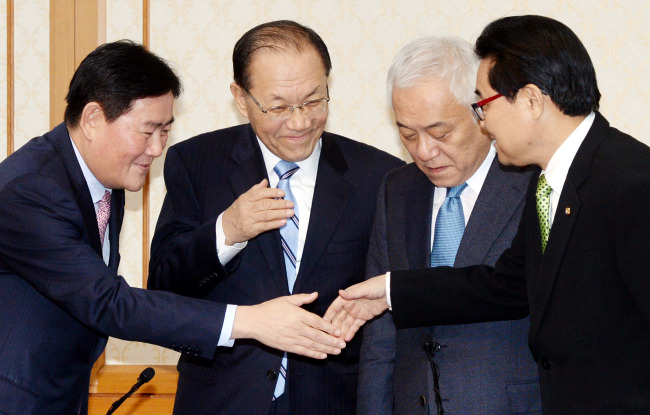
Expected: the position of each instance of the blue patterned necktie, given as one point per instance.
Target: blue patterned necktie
(450, 226)
(289, 237)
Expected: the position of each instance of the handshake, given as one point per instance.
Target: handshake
(281, 323)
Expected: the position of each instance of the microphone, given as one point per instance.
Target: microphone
(144, 377)
(430, 347)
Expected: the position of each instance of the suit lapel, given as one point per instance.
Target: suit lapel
(566, 215)
(496, 191)
(78, 183)
(416, 218)
(331, 196)
(248, 170)
(115, 225)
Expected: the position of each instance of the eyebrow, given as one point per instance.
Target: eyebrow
(477, 92)
(158, 124)
(313, 91)
(434, 125)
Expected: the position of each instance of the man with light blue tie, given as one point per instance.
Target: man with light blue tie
(222, 234)
(61, 212)
(454, 206)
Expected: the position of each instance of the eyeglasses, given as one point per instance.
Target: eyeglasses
(478, 106)
(283, 112)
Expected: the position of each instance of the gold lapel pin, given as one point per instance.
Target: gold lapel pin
(567, 211)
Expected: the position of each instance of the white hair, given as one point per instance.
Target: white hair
(450, 59)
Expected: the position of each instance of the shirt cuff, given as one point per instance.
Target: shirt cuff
(226, 329)
(390, 305)
(226, 252)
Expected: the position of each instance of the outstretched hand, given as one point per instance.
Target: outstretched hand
(281, 323)
(356, 305)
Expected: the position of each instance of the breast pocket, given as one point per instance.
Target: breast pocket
(344, 263)
(349, 247)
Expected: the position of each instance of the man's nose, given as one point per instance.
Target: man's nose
(427, 148)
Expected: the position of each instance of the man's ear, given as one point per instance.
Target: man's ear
(240, 98)
(91, 120)
(533, 100)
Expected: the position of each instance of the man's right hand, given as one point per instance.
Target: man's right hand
(281, 323)
(356, 305)
(258, 210)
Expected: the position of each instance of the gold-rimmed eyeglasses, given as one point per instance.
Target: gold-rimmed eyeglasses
(283, 112)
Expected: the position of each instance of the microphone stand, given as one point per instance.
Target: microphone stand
(144, 377)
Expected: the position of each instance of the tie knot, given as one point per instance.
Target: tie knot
(285, 169)
(106, 200)
(456, 191)
(543, 188)
(103, 213)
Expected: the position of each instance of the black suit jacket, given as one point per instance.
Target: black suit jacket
(588, 295)
(58, 300)
(204, 176)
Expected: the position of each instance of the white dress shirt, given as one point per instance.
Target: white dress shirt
(97, 191)
(468, 200)
(468, 197)
(558, 166)
(303, 183)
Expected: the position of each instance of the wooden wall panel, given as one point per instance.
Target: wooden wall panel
(7, 130)
(77, 27)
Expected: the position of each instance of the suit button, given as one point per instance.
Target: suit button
(423, 400)
(271, 374)
(436, 347)
(546, 364)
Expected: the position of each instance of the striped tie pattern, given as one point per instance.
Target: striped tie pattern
(103, 213)
(289, 237)
(543, 196)
(449, 229)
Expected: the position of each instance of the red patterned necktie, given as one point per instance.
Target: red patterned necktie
(103, 213)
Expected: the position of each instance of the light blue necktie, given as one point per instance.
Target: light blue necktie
(289, 237)
(450, 226)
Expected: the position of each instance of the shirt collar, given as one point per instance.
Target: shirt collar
(308, 166)
(478, 178)
(96, 189)
(559, 164)
(474, 183)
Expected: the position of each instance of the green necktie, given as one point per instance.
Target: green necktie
(543, 196)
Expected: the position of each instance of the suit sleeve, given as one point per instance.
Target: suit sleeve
(632, 233)
(375, 392)
(479, 293)
(43, 243)
(184, 256)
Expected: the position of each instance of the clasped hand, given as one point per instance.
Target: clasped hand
(356, 305)
(281, 323)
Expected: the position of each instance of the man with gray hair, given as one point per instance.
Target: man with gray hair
(454, 206)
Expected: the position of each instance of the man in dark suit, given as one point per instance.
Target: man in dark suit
(581, 258)
(61, 209)
(220, 217)
(483, 368)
